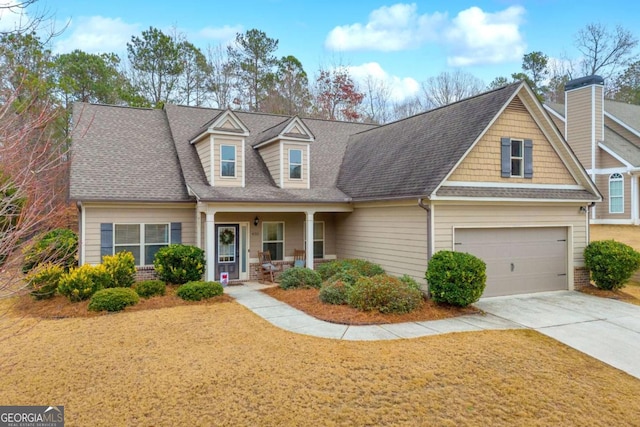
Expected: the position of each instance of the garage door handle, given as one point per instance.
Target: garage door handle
(513, 267)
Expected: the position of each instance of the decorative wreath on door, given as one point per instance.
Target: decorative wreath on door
(227, 237)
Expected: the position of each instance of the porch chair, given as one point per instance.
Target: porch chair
(299, 258)
(267, 268)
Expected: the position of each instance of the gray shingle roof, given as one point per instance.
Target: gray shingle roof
(517, 193)
(411, 157)
(124, 154)
(622, 147)
(326, 153)
(628, 113)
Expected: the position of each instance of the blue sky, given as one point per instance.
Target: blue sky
(403, 43)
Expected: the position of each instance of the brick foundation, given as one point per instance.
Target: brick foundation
(145, 273)
(581, 278)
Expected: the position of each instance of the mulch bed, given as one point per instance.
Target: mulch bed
(307, 300)
(59, 307)
(620, 295)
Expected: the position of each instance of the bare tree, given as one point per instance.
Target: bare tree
(408, 107)
(605, 51)
(448, 87)
(376, 104)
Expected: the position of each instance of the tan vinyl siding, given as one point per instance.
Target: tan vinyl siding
(293, 230)
(203, 148)
(135, 214)
(393, 236)
(579, 123)
(295, 183)
(218, 180)
(602, 209)
(448, 216)
(483, 164)
(606, 160)
(271, 157)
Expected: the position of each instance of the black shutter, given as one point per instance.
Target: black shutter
(505, 156)
(106, 239)
(528, 158)
(176, 233)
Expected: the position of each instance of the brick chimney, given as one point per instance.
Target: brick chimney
(584, 118)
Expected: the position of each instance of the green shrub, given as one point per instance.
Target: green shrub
(150, 288)
(81, 283)
(300, 277)
(113, 299)
(122, 269)
(349, 277)
(44, 280)
(178, 264)
(384, 293)
(611, 263)
(456, 278)
(409, 281)
(59, 246)
(335, 292)
(196, 291)
(362, 267)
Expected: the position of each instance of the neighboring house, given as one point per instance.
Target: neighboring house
(490, 175)
(605, 135)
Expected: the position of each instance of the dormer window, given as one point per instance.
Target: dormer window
(295, 164)
(228, 161)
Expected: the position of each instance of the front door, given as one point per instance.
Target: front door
(227, 250)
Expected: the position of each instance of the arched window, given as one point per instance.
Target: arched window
(616, 193)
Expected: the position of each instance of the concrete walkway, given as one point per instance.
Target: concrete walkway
(286, 317)
(605, 329)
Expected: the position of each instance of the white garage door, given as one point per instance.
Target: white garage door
(519, 260)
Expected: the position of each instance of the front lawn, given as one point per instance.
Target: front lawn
(220, 364)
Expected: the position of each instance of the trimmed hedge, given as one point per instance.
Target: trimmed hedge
(196, 291)
(150, 288)
(81, 283)
(113, 299)
(456, 278)
(611, 263)
(59, 246)
(300, 277)
(122, 269)
(44, 280)
(178, 264)
(362, 267)
(335, 292)
(386, 294)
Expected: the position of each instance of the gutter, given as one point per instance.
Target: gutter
(429, 246)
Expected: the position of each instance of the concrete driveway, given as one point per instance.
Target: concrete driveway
(606, 329)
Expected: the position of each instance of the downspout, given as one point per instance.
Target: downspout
(428, 209)
(589, 207)
(81, 232)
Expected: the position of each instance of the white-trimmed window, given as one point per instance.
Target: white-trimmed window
(273, 239)
(616, 193)
(295, 164)
(318, 238)
(142, 240)
(517, 157)
(228, 161)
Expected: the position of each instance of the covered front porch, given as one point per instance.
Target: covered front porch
(232, 235)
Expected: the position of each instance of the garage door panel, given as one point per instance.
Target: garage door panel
(519, 260)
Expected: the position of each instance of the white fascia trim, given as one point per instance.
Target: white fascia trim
(296, 121)
(514, 199)
(609, 171)
(614, 155)
(287, 139)
(612, 221)
(211, 160)
(623, 124)
(472, 146)
(281, 165)
(512, 185)
(243, 164)
(553, 112)
(308, 167)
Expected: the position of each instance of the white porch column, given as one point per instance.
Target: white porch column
(635, 203)
(210, 245)
(309, 248)
(198, 228)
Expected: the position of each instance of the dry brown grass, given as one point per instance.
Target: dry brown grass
(220, 364)
(307, 301)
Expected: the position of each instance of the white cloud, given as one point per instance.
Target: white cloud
(390, 28)
(97, 34)
(401, 87)
(12, 16)
(223, 34)
(478, 37)
(472, 37)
